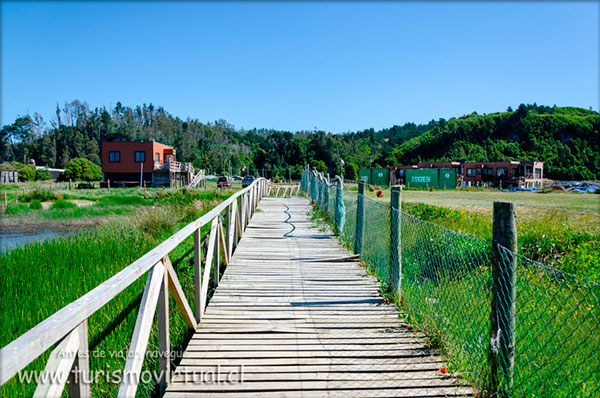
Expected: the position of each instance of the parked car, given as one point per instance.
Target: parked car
(223, 182)
(247, 181)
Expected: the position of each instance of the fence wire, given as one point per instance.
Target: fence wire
(446, 282)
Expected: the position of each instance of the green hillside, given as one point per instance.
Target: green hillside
(566, 139)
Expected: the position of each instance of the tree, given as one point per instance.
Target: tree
(320, 166)
(351, 172)
(81, 169)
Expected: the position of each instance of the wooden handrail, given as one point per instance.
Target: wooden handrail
(66, 321)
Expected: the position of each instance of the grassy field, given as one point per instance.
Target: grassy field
(559, 229)
(52, 208)
(41, 278)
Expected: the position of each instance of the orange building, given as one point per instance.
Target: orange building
(135, 161)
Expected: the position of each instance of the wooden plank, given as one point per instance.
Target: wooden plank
(223, 246)
(361, 393)
(178, 295)
(56, 373)
(231, 224)
(197, 275)
(141, 332)
(207, 265)
(79, 378)
(164, 346)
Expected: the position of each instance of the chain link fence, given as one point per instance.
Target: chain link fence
(507, 324)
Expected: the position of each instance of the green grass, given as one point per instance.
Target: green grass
(44, 277)
(63, 204)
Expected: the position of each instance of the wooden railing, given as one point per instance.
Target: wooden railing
(282, 189)
(68, 327)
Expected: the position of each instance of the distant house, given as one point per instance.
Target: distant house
(147, 161)
(504, 174)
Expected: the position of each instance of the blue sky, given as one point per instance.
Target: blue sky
(334, 66)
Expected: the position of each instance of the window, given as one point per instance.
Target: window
(401, 172)
(140, 157)
(114, 156)
(471, 172)
(157, 156)
(488, 172)
(501, 171)
(514, 172)
(538, 173)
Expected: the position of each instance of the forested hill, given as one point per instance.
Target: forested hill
(567, 139)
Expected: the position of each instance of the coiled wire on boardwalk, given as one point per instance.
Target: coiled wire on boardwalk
(446, 283)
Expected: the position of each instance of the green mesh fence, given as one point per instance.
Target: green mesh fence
(446, 288)
(446, 281)
(376, 238)
(557, 321)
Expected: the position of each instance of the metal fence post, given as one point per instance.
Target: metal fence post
(340, 208)
(395, 253)
(360, 218)
(501, 353)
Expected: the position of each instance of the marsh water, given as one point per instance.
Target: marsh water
(9, 241)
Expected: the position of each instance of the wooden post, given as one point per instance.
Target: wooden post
(217, 264)
(5, 199)
(108, 182)
(79, 377)
(16, 196)
(197, 275)
(360, 218)
(228, 241)
(395, 253)
(164, 349)
(69, 184)
(501, 353)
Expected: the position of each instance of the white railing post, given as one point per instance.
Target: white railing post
(79, 379)
(164, 346)
(197, 274)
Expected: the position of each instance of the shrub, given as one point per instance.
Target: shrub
(80, 169)
(17, 209)
(35, 205)
(42, 175)
(63, 204)
(27, 172)
(41, 194)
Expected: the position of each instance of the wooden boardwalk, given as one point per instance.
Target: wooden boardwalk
(298, 316)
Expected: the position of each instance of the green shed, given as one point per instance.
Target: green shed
(377, 177)
(423, 178)
(365, 175)
(447, 179)
(380, 177)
